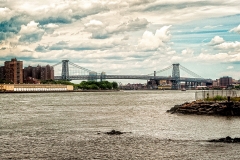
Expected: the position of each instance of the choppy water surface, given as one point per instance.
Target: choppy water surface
(72, 126)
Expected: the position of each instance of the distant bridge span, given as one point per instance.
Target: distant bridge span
(174, 78)
(140, 77)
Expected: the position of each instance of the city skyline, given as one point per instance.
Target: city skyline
(124, 37)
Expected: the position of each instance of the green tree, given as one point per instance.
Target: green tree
(109, 85)
(237, 87)
(102, 85)
(93, 86)
(56, 82)
(114, 85)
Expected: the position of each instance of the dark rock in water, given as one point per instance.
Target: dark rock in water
(208, 108)
(226, 140)
(113, 132)
(173, 109)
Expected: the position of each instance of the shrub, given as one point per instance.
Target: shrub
(219, 98)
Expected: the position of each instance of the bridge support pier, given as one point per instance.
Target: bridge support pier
(65, 70)
(186, 84)
(175, 76)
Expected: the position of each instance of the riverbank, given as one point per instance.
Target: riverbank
(221, 108)
(4, 92)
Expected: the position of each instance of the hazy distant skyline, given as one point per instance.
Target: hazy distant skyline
(124, 36)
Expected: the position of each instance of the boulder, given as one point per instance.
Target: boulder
(226, 140)
(113, 132)
(208, 108)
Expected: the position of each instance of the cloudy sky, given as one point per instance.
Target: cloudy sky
(124, 36)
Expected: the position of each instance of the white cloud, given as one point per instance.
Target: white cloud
(30, 33)
(163, 33)
(101, 30)
(236, 29)
(220, 44)
(51, 25)
(50, 28)
(187, 52)
(150, 41)
(220, 57)
(229, 47)
(211, 27)
(6, 14)
(94, 23)
(216, 40)
(30, 27)
(230, 67)
(216, 58)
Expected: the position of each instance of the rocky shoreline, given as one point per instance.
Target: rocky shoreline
(226, 140)
(221, 108)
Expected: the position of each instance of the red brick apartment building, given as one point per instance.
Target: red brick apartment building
(13, 72)
(225, 81)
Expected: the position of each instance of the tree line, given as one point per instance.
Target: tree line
(88, 85)
(104, 85)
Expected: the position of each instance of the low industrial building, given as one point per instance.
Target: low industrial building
(35, 87)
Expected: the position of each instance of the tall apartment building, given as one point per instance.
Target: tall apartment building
(36, 72)
(47, 73)
(2, 73)
(33, 72)
(225, 81)
(14, 71)
(39, 72)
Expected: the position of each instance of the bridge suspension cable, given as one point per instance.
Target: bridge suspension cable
(56, 64)
(82, 68)
(190, 72)
(162, 70)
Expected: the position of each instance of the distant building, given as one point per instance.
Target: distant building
(164, 82)
(137, 86)
(32, 74)
(103, 76)
(92, 76)
(216, 83)
(2, 73)
(234, 81)
(152, 84)
(225, 81)
(35, 87)
(36, 72)
(47, 73)
(13, 71)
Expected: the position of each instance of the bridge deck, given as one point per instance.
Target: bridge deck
(142, 77)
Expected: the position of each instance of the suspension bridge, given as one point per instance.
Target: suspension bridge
(175, 78)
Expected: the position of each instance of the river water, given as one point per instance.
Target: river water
(73, 125)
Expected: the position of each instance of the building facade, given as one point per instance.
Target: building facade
(2, 73)
(13, 71)
(92, 76)
(39, 73)
(35, 87)
(225, 81)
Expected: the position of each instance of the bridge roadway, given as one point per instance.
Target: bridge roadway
(143, 77)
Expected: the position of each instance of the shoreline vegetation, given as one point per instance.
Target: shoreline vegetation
(87, 85)
(84, 86)
(218, 106)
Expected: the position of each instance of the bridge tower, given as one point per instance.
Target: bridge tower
(175, 76)
(65, 70)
